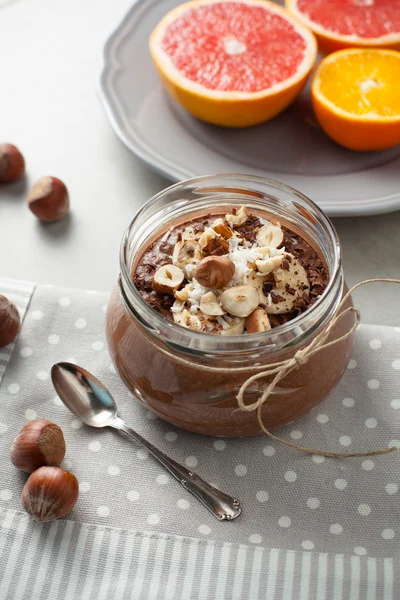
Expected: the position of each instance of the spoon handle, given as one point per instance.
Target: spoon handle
(222, 506)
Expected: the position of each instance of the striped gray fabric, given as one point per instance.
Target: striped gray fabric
(68, 560)
(19, 292)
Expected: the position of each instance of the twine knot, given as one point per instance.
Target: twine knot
(300, 357)
(280, 370)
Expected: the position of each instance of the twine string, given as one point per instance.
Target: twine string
(280, 370)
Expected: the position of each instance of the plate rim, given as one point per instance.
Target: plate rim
(377, 206)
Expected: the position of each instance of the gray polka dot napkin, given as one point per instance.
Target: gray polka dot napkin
(294, 504)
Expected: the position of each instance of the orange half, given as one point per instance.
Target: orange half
(356, 98)
(233, 63)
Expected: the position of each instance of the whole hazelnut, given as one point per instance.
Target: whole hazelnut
(12, 163)
(48, 199)
(39, 443)
(50, 493)
(215, 271)
(10, 321)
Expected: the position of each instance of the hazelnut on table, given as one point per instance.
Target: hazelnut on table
(10, 321)
(49, 199)
(12, 163)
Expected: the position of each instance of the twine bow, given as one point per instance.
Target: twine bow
(280, 370)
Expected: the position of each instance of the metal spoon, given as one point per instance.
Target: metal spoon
(93, 404)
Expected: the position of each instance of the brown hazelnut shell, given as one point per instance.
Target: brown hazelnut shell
(10, 321)
(50, 493)
(49, 199)
(12, 163)
(39, 443)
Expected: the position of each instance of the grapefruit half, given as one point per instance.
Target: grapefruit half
(342, 24)
(233, 63)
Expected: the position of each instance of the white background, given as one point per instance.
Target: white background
(51, 53)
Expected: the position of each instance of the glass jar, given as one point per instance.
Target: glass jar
(191, 379)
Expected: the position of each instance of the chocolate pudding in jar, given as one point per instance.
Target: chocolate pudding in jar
(221, 276)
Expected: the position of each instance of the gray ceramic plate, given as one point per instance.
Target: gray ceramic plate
(290, 148)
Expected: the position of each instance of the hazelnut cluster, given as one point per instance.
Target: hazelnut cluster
(48, 198)
(227, 284)
(50, 492)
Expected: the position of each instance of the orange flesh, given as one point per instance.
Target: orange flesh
(365, 83)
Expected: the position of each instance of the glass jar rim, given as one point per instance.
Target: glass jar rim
(158, 322)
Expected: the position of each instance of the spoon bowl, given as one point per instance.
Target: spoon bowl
(84, 395)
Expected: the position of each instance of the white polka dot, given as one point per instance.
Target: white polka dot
(53, 339)
(322, 419)
(162, 479)
(318, 459)
(290, 476)
(64, 302)
(133, 495)
(84, 486)
(171, 436)
(219, 445)
(153, 519)
(104, 308)
(30, 414)
(103, 511)
(255, 538)
(3, 428)
(25, 352)
(367, 465)
(371, 423)
(391, 488)
(373, 384)
(268, 450)
(98, 345)
(57, 401)
(340, 484)
(360, 551)
(313, 503)
(42, 375)
(395, 404)
(396, 364)
(191, 461)
(76, 424)
(375, 344)
(113, 470)
(344, 440)
(348, 402)
(5, 495)
(204, 529)
(307, 545)
(94, 446)
(183, 504)
(14, 388)
(394, 443)
(37, 315)
(364, 510)
(80, 323)
(142, 454)
(388, 534)
(336, 529)
(296, 434)
(352, 364)
(284, 522)
(262, 496)
(240, 470)
(112, 369)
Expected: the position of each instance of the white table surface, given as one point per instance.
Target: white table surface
(49, 107)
